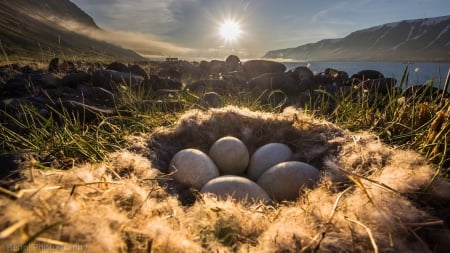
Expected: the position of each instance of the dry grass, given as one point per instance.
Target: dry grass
(371, 198)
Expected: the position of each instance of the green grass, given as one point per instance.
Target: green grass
(415, 123)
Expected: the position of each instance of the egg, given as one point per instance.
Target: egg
(267, 156)
(237, 187)
(230, 155)
(193, 168)
(284, 180)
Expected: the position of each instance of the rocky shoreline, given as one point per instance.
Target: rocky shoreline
(93, 88)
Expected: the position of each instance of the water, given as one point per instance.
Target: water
(419, 72)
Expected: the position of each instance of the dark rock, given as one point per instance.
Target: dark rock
(112, 80)
(15, 105)
(72, 80)
(189, 71)
(332, 77)
(216, 67)
(95, 95)
(118, 66)
(29, 84)
(426, 91)
(170, 71)
(233, 63)
(138, 70)
(255, 68)
(367, 74)
(211, 100)
(204, 68)
(266, 83)
(85, 112)
(383, 86)
(53, 66)
(305, 78)
(202, 86)
(156, 83)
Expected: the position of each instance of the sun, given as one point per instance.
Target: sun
(230, 30)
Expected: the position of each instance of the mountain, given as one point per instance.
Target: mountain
(36, 28)
(408, 40)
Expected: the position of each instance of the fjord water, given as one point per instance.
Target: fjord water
(419, 72)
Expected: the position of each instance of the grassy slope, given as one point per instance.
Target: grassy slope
(23, 36)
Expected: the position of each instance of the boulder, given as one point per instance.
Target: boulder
(239, 188)
(233, 63)
(138, 70)
(111, 79)
(367, 74)
(254, 68)
(332, 77)
(154, 82)
(285, 180)
(383, 86)
(72, 80)
(118, 66)
(29, 84)
(201, 86)
(273, 81)
(305, 78)
(211, 100)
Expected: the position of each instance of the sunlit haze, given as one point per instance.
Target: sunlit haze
(200, 29)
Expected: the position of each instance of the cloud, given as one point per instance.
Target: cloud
(142, 43)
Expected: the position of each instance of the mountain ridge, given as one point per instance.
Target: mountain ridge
(27, 31)
(425, 39)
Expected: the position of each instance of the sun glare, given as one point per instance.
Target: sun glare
(230, 30)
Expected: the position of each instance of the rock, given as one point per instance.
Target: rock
(193, 168)
(425, 91)
(332, 77)
(239, 188)
(156, 83)
(367, 74)
(305, 78)
(266, 157)
(230, 155)
(96, 95)
(53, 66)
(273, 81)
(284, 180)
(138, 70)
(217, 67)
(202, 86)
(72, 80)
(233, 63)
(254, 68)
(84, 111)
(211, 100)
(383, 86)
(112, 80)
(118, 66)
(29, 84)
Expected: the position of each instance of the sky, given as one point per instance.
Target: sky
(190, 28)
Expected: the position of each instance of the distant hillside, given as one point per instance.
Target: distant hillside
(27, 30)
(409, 40)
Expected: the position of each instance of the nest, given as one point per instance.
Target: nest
(371, 197)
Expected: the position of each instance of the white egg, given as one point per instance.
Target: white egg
(284, 180)
(230, 155)
(239, 188)
(193, 168)
(267, 156)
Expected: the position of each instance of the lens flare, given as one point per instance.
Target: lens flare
(230, 30)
